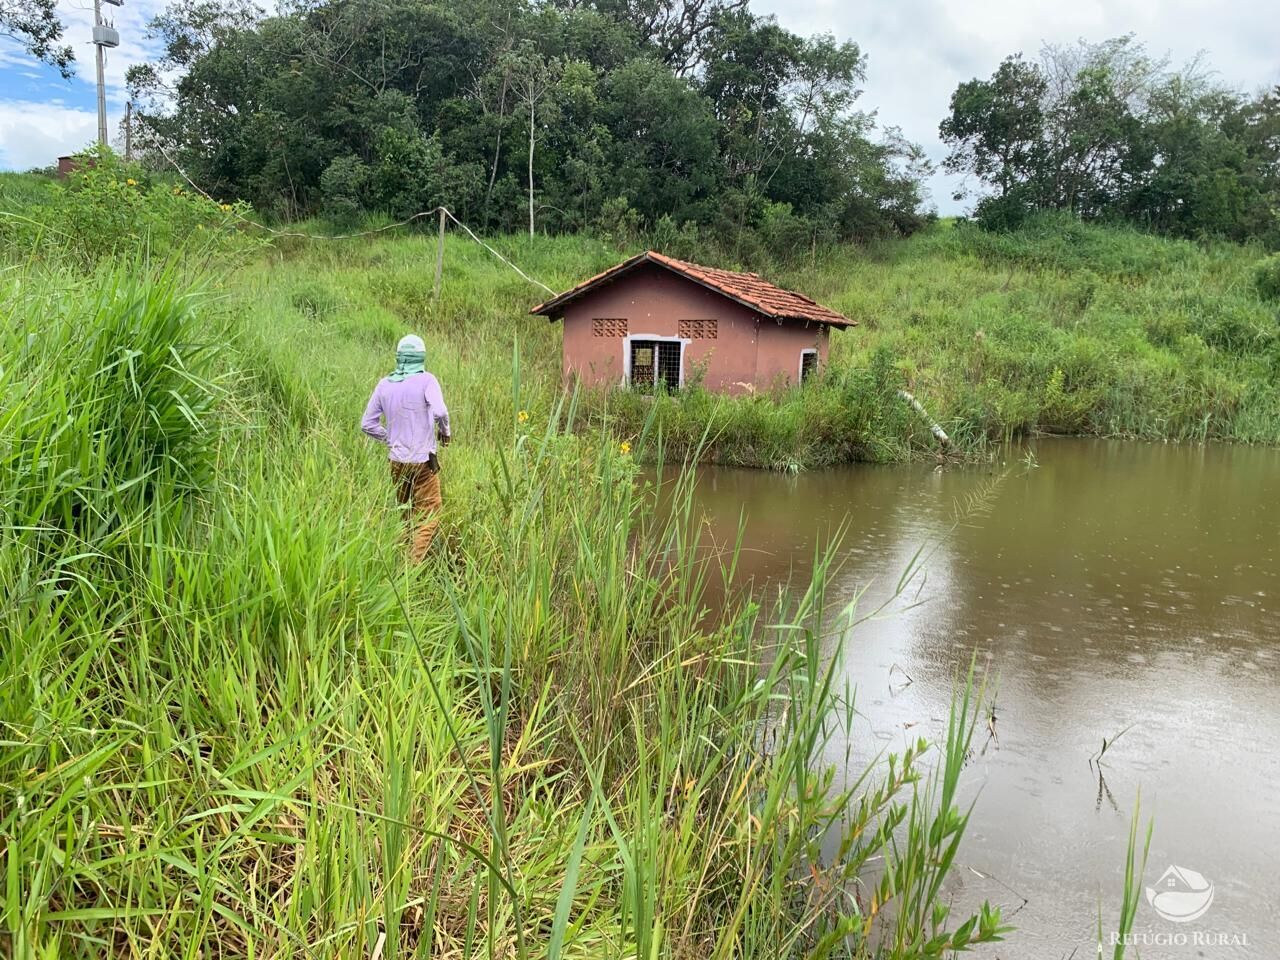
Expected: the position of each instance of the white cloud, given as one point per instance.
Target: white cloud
(35, 134)
(920, 50)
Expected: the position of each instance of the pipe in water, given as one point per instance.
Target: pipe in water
(939, 434)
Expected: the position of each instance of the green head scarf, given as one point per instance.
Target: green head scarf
(411, 358)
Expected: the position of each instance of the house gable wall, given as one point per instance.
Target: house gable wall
(747, 353)
(781, 344)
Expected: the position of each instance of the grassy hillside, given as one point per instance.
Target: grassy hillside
(1061, 328)
(1064, 327)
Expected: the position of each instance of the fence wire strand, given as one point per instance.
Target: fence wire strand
(352, 236)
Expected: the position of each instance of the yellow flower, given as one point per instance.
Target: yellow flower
(177, 191)
(225, 206)
(625, 447)
(523, 416)
(132, 182)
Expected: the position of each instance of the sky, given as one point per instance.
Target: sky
(918, 51)
(43, 116)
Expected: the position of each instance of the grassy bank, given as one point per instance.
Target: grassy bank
(236, 724)
(1065, 327)
(1061, 328)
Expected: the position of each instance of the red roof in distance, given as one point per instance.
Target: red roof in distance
(747, 289)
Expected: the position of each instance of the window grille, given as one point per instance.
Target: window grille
(669, 364)
(609, 327)
(808, 364)
(655, 362)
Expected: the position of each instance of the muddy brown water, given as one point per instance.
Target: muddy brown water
(1111, 585)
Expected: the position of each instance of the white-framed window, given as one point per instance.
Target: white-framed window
(808, 364)
(649, 360)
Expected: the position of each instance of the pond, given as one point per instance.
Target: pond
(1105, 586)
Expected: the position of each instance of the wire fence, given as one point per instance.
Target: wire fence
(353, 236)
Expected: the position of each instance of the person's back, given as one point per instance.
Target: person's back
(407, 412)
(411, 408)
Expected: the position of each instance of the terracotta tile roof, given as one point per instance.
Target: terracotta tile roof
(747, 289)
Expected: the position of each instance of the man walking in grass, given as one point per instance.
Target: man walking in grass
(407, 413)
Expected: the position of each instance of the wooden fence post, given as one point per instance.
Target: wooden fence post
(439, 256)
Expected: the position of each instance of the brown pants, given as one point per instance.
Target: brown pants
(418, 485)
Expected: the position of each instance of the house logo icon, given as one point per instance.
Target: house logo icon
(1181, 895)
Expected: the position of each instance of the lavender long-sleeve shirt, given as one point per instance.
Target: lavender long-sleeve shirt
(413, 409)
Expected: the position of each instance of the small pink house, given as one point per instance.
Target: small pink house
(656, 320)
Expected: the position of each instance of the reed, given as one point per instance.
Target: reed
(1135, 867)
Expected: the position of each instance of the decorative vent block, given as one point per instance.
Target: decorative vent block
(698, 329)
(608, 327)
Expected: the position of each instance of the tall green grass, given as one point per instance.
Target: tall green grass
(1058, 328)
(1065, 327)
(236, 722)
(1135, 868)
(106, 417)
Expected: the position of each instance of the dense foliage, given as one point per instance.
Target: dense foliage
(108, 209)
(1267, 278)
(534, 116)
(1109, 133)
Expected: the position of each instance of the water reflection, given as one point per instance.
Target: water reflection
(1112, 584)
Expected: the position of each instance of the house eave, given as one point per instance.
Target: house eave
(553, 309)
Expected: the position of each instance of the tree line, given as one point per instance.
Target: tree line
(1108, 132)
(551, 116)
(684, 119)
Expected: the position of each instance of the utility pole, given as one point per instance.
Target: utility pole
(128, 132)
(104, 35)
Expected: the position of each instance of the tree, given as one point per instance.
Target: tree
(1255, 125)
(1107, 132)
(263, 106)
(996, 128)
(355, 106)
(679, 31)
(36, 25)
(1097, 97)
(820, 140)
(662, 149)
(533, 78)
